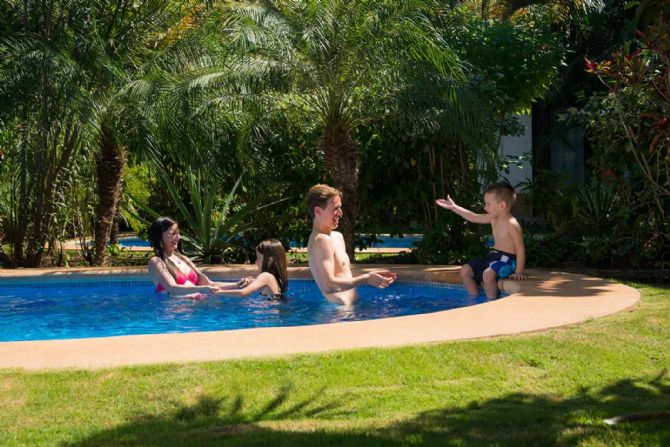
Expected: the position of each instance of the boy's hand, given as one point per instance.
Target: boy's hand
(447, 203)
(517, 276)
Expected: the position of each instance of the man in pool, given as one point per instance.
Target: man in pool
(328, 259)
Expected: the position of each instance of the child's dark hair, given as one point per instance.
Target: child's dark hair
(274, 261)
(503, 192)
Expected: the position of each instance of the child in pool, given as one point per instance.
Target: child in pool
(273, 278)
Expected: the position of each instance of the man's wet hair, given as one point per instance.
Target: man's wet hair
(503, 192)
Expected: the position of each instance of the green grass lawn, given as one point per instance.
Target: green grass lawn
(550, 388)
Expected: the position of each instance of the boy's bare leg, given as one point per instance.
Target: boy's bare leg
(490, 284)
(468, 278)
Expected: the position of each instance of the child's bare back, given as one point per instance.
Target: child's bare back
(504, 229)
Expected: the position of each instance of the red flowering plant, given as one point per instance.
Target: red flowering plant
(638, 82)
(628, 126)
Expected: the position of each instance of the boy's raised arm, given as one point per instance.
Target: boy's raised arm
(465, 213)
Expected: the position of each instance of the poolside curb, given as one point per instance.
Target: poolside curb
(546, 300)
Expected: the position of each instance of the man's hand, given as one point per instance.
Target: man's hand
(388, 275)
(381, 278)
(447, 203)
(517, 276)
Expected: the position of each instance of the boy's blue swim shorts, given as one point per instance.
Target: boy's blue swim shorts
(503, 263)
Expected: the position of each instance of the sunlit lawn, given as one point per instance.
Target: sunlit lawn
(550, 388)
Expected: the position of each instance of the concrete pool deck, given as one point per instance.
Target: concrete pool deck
(546, 300)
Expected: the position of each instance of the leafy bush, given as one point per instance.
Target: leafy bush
(447, 247)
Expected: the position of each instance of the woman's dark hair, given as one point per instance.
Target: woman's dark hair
(155, 233)
(274, 261)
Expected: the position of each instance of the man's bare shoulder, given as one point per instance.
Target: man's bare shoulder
(322, 238)
(336, 235)
(320, 242)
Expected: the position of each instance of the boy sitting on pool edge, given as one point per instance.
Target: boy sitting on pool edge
(508, 257)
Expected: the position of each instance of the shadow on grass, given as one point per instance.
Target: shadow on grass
(514, 419)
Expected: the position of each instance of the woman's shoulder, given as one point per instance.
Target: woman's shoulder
(155, 261)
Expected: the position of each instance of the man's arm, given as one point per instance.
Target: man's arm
(323, 257)
(520, 250)
(465, 213)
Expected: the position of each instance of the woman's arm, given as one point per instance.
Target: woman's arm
(265, 279)
(203, 280)
(234, 285)
(160, 275)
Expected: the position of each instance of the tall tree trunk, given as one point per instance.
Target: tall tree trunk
(109, 165)
(342, 166)
(114, 232)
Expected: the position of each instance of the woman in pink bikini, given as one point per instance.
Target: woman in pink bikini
(173, 272)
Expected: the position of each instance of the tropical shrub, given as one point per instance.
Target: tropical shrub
(212, 230)
(629, 129)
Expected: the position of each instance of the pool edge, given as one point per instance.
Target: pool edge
(546, 300)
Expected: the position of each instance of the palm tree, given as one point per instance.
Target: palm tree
(342, 62)
(119, 45)
(44, 98)
(63, 63)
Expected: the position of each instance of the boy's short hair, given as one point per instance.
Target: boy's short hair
(503, 192)
(319, 195)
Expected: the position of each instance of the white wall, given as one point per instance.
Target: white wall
(516, 146)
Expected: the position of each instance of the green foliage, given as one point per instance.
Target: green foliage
(547, 249)
(137, 181)
(425, 91)
(629, 130)
(452, 245)
(61, 63)
(211, 230)
(519, 58)
(407, 164)
(551, 195)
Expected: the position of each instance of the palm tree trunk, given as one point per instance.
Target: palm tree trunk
(109, 168)
(341, 159)
(114, 232)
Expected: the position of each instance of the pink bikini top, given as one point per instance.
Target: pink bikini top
(181, 279)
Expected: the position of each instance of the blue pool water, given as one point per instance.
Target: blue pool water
(133, 242)
(104, 306)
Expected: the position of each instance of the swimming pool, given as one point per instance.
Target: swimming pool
(47, 309)
(133, 241)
